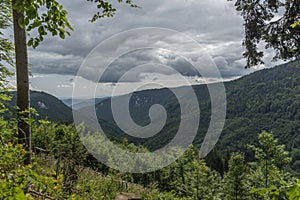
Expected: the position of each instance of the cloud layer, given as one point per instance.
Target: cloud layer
(213, 23)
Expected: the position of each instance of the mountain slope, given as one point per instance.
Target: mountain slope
(47, 106)
(81, 103)
(265, 100)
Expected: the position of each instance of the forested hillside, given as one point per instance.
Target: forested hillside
(265, 100)
(63, 169)
(247, 163)
(46, 106)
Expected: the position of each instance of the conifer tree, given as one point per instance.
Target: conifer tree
(234, 183)
(270, 155)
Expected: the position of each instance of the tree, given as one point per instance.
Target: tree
(30, 15)
(6, 47)
(6, 58)
(23, 101)
(202, 181)
(235, 179)
(273, 22)
(270, 155)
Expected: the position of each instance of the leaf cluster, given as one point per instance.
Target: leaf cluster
(44, 16)
(273, 22)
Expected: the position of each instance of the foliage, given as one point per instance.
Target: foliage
(63, 143)
(157, 195)
(268, 178)
(6, 47)
(270, 156)
(293, 190)
(53, 19)
(274, 23)
(187, 178)
(265, 100)
(25, 183)
(6, 51)
(88, 187)
(22, 182)
(107, 9)
(234, 182)
(287, 190)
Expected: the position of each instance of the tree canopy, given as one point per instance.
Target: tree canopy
(6, 47)
(273, 22)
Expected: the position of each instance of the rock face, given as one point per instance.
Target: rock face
(127, 196)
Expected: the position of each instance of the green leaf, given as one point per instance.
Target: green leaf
(62, 34)
(30, 42)
(19, 194)
(41, 30)
(21, 22)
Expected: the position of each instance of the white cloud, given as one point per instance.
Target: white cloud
(214, 20)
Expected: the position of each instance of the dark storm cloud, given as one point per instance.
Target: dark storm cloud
(155, 61)
(213, 23)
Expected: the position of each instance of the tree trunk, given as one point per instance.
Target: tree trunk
(23, 98)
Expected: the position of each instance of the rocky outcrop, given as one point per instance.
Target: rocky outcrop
(127, 196)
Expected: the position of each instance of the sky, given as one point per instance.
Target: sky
(213, 24)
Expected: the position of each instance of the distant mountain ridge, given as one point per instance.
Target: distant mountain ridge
(47, 106)
(77, 103)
